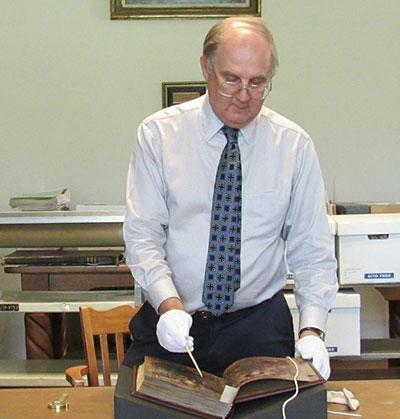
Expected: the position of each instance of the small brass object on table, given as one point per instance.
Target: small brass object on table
(59, 404)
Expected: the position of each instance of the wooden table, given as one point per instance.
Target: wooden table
(379, 400)
(84, 403)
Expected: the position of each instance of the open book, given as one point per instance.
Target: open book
(181, 387)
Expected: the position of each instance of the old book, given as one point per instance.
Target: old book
(181, 387)
(59, 199)
(67, 257)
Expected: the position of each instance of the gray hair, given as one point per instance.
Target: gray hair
(219, 31)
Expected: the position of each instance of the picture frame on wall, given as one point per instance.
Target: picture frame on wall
(177, 92)
(142, 9)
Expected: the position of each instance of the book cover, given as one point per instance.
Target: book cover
(181, 387)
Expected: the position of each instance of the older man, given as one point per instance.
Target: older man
(218, 188)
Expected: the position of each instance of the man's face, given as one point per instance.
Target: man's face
(244, 56)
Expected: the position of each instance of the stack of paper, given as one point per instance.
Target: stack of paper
(42, 201)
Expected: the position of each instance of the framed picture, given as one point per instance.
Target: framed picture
(142, 9)
(178, 92)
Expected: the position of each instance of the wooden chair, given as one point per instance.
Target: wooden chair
(103, 324)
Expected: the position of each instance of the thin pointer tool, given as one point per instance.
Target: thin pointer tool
(193, 360)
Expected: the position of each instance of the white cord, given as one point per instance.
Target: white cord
(295, 385)
(354, 415)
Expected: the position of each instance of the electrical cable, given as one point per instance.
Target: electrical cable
(295, 385)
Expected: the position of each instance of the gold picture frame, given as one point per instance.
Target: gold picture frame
(174, 93)
(154, 9)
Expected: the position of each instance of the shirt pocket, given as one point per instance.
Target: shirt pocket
(263, 212)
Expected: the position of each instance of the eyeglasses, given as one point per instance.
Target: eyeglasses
(232, 88)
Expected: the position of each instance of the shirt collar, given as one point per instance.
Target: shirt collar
(211, 124)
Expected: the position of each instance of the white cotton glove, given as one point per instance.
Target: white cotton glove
(312, 348)
(343, 397)
(173, 331)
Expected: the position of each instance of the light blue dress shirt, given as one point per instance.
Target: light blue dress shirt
(169, 195)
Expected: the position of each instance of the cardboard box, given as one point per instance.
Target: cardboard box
(368, 248)
(384, 207)
(343, 326)
(332, 225)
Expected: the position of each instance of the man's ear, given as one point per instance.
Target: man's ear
(203, 65)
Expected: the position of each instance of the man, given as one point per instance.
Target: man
(216, 288)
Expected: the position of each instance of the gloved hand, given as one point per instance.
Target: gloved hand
(173, 331)
(313, 348)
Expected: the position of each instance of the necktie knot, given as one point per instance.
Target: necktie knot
(231, 134)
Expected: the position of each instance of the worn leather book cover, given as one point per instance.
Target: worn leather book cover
(181, 387)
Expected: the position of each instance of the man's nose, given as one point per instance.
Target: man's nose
(243, 94)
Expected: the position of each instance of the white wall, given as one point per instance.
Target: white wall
(74, 85)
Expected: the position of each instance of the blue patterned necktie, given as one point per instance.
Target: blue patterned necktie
(222, 277)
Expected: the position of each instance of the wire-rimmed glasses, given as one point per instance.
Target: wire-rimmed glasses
(229, 88)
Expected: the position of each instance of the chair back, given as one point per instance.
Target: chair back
(114, 322)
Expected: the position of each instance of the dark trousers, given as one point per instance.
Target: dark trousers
(262, 330)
